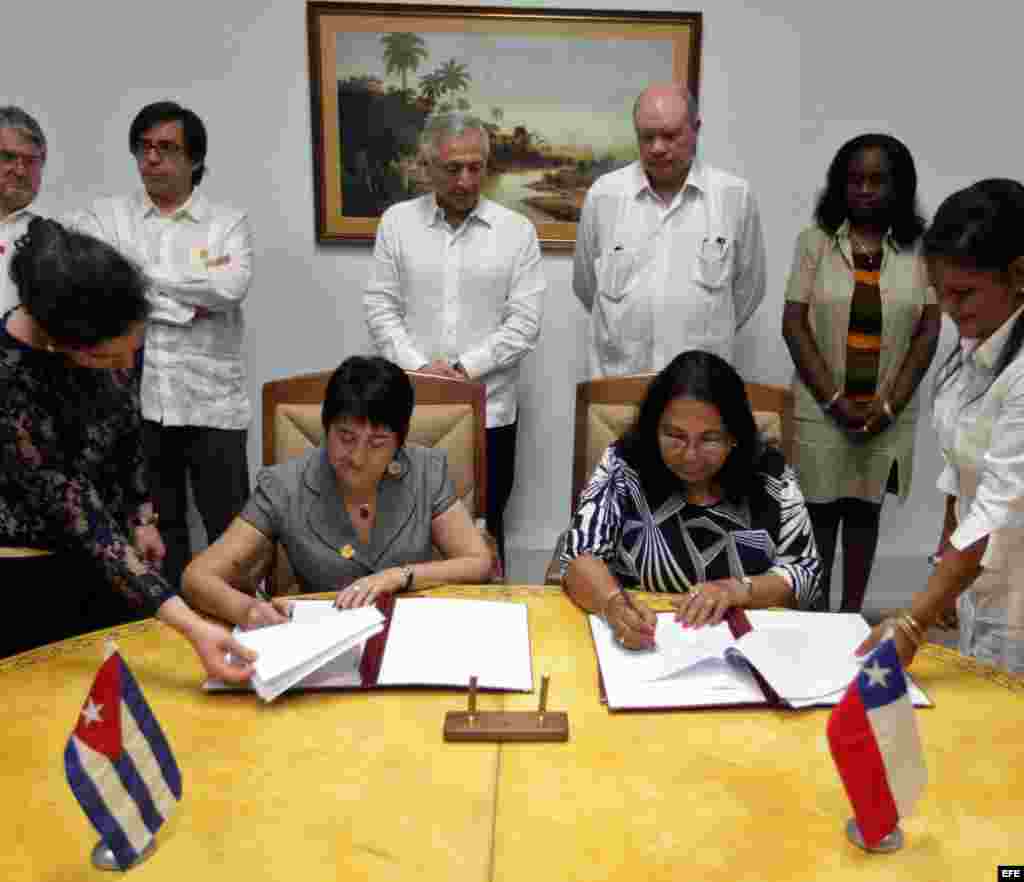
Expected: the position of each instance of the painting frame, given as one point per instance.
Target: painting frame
(352, 179)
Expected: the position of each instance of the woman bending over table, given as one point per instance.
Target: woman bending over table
(80, 548)
(975, 254)
(690, 501)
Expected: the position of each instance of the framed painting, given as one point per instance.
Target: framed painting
(554, 88)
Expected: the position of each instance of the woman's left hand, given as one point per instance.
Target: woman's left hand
(364, 591)
(149, 544)
(706, 603)
(905, 649)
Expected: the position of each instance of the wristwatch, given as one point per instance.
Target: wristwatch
(747, 583)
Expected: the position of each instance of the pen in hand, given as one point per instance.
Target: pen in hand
(636, 610)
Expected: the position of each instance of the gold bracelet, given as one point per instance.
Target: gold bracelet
(915, 624)
(908, 632)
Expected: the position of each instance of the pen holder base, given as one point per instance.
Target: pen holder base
(506, 726)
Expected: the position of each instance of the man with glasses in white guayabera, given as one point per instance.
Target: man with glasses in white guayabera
(198, 255)
(22, 155)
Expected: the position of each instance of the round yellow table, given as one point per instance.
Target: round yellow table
(360, 785)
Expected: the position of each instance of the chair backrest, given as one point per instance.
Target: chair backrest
(448, 414)
(606, 408)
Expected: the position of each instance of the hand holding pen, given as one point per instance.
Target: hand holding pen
(632, 624)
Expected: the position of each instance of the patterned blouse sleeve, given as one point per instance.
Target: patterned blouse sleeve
(70, 504)
(136, 479)
(596, 526)
(797, 559)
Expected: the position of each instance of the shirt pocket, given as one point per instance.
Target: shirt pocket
(617, 273)
(713, 263)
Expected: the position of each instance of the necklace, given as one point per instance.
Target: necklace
(860, 247)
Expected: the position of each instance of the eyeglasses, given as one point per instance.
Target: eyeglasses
(375, 441)
(164, 149)
(705, 445)
(30, 161)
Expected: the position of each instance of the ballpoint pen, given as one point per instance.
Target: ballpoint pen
(632, 605)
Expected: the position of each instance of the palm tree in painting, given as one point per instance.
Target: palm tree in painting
(463, 104)
(403, 53)
(498, 115)
(431, 88)
(453, 76)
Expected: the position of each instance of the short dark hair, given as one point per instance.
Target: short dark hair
(370, 388)
(705, 377)
(905, 218)
(192, 127)
(980, 228)
(79, 289)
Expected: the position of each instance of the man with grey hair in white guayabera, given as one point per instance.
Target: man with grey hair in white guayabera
(669, 251)
(22, 156)
(456, 288)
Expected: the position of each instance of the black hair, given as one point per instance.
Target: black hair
(192, 128)
(705, 377)
(370, 388)
(905, 218)
(980, 228)
(79, 289)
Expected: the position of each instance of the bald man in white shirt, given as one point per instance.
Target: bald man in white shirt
(669, 251)
(457, 289)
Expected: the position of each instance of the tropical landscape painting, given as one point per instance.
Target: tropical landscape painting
(556, 102)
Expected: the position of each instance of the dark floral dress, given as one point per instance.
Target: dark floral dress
(73, 477)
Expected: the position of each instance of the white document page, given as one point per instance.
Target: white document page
(441, 641)
(686, 669)
(808, 657)
(290, 652)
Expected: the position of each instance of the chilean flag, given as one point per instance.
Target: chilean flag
(873, 737)
(119, 764)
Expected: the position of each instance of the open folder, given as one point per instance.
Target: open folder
(784, 658)
(412, 641)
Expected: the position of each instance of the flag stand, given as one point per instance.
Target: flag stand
(103, 858)
(892, 842)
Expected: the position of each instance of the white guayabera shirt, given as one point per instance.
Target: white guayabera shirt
(199, 262)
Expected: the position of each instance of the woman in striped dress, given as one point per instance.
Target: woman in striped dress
(862, 326)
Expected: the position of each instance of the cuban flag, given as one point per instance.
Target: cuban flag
(873, 737)
(119, 764)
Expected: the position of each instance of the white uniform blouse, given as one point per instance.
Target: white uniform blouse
(980, 424)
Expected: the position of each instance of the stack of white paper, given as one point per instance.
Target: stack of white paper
(290, 652)
(443, 641)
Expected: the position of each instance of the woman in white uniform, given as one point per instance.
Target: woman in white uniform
(975, 254)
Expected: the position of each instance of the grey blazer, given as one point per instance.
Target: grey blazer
(297, 503)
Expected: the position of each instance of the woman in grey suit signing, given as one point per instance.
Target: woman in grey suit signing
(362, 513)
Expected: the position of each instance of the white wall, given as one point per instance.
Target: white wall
(780, 91)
